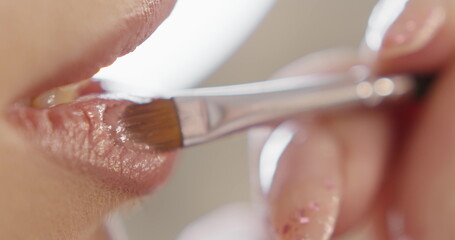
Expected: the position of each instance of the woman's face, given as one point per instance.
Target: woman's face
(56, 182)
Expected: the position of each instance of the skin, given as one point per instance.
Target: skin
(44, 201)
(40, 199)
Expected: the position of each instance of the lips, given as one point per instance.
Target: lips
(83, 134)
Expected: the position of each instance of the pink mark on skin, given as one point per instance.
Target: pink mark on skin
(400, 39)
(314, 206)
(329, 185)
(286, 229)
(302, 218)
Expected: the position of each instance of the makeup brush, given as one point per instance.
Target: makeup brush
(196, 116)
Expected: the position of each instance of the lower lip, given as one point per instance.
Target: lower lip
(85, 136)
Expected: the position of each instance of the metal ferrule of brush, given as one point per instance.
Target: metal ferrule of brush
(209, 113)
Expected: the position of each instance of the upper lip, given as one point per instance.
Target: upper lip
(74, 124)
(130, 31)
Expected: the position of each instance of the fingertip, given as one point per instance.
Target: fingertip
(428, 60)
(300, 177)
(412, 36)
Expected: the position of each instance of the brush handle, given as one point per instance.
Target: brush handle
(209, 113)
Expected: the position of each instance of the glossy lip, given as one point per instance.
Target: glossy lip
(84, 135)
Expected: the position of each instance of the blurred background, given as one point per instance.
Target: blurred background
(215, 174)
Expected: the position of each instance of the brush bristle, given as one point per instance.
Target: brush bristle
(156, 124)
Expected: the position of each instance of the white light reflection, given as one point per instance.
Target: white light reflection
(384, 14)
(271, 153)
(237, 221)
(197, 37)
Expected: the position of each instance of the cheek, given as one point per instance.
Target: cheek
(41, 34)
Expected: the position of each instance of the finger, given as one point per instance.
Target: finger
(304, 198)
(320, 161)
(371, 227)
(425, 193)
(420, 40)
(343, 156)
(423, 197)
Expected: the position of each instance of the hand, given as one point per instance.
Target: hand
(384, 173)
